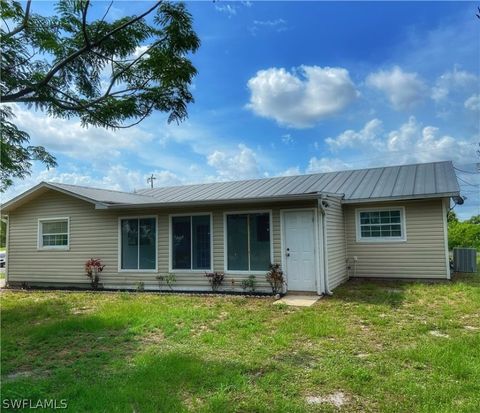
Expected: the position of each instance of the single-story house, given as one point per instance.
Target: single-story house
(323, 228)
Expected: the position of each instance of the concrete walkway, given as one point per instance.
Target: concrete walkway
(298, 300)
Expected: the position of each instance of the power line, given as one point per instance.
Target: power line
(465, 172)
(468, 183)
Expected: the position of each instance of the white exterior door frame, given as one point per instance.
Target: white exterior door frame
(318, 247)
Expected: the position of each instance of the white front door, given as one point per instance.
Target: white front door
(299, 250)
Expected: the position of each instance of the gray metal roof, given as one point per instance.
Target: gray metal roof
(435, 179)
(105, 196)
(406, 181)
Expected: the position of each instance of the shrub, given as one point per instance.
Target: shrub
(169, 279)
(93, 267)
(215, 279)
(275, 278)
(249, 284)
(463, 234)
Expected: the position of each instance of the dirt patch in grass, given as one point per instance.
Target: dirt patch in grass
(154, 337)
(82, 310)
(19, 375)
(298, 358)
(437, 333)
(337, 399)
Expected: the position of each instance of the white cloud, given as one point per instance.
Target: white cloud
(433, 146)
(473, 103)
(292, 171)
(229, 9)
(68, 137)
(403, 89)
(141, 49)
(369, 135)
(117, 177)
(239, 164)
(287, 139)
(316, 165)
(411, 142)
(269, 23)
(277, 25)
(455, 81)
(302, 97)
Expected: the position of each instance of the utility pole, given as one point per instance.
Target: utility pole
(151, 179)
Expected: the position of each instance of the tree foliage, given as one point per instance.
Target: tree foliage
(464, 234)
(15, 153)
(474, 220)
(452, 217)
(111, 74)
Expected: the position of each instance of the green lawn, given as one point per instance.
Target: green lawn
(389, 347)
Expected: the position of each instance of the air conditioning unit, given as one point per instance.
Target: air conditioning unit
(465, 260)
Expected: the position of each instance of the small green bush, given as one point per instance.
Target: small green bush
(249, 283)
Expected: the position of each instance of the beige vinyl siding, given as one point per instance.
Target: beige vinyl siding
(422, 255)
(336, 245)
(94, 233)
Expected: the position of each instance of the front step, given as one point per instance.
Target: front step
(298, 300)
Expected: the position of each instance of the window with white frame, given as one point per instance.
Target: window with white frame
(248, 241)
(381, 224)
(138, 243)
(53, 233)
(191, 242)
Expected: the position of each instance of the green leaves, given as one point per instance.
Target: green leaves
(464, 234)
(109, 74)
(16, 156)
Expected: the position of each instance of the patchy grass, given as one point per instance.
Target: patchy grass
(373, 346)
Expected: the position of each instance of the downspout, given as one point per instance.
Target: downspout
(324, 244)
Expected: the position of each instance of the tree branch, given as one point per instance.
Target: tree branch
(24, 23)
(106, 12)
(60, 65)
(115, 76)
(84, 23)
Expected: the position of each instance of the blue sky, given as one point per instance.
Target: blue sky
(294, 87)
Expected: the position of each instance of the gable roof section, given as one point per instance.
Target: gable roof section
(428, 180)
(101, 198)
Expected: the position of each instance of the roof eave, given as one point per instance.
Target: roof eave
(401, 198)
(301, 197)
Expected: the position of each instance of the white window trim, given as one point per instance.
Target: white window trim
(225, 246)
(403, 225)
(170, 244)
(120, 269)
(41, 247)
